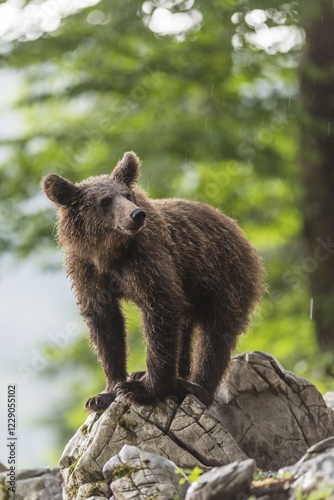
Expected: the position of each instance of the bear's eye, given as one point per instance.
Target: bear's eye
(105, 202)
(128, 196)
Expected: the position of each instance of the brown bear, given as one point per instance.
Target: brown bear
(187, 266)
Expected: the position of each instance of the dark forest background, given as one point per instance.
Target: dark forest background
(226, 102)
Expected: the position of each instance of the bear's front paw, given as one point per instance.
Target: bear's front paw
(100, 402)
(135, 391)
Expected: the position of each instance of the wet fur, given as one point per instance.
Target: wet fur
(189, 268)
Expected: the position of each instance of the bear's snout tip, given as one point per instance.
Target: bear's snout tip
(138, 216)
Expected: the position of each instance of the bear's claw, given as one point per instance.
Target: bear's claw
(135, 391)
(100, 402)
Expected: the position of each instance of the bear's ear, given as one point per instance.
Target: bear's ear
(127, 170)
(59, 190)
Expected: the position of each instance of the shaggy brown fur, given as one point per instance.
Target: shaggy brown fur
(187, 266)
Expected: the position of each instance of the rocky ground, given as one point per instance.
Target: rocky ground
(269, 435)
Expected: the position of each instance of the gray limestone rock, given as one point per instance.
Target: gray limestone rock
(33, 484)
(312, 477)
(99, 489)
(329, 399)
(315, 470)
(261, 411)
(229, 482)
(273, 414)
(186, 434)
(96, 498)
(141, 475)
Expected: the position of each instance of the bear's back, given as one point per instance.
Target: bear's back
(209, 249)
(200, 226)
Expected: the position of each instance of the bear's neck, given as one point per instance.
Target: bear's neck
(104, 254)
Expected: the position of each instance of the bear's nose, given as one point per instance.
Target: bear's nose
(138, 215)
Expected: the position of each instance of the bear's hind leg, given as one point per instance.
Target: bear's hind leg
(184, 354)
(212, 356)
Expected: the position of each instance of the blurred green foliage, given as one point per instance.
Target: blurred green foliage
(213, 116)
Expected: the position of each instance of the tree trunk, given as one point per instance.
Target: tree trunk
(317, 161)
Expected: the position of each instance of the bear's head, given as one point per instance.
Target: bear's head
(98, 206)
